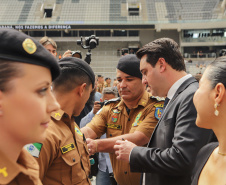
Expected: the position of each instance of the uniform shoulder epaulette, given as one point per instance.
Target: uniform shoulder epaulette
(112, 100)
(158, 98)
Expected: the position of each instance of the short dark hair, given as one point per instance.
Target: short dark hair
(217, 72)
(107, 78)
(163, 48)
(8, 71)
(70, 78)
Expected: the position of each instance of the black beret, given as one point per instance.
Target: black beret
(80, 64)
(130, 65)
(19, 47)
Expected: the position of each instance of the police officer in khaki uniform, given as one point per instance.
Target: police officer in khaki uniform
(64, 157)
(132, 117)
(107, 82)
(26, 102)
(100, 83)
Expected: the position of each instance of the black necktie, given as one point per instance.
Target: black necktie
(165, 103)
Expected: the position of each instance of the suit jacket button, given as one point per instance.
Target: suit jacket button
(125, 172)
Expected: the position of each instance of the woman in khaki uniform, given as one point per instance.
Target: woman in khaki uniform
(26, 103)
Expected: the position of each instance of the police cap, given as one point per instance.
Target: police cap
(130, 65)
(19, 47)
(80, 64)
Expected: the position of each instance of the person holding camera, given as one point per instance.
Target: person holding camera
(104, 175)
(132, 117)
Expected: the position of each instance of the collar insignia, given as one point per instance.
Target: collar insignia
(3, 171)
(57, 114)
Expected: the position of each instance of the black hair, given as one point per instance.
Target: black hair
(217, 72)
(70, 78)
(163, 48)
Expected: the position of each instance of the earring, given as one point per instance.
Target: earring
(216, 112)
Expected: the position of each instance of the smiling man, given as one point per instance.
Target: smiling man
(132, 117)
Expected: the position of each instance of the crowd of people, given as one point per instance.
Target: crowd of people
(154, 124)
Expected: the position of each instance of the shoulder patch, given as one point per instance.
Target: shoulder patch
(67, 148)
(158, 111)
(112, 100)
(34, 149)
(158, 98)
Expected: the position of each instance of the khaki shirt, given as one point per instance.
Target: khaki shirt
(100, 87)
(64, 157)
(24, 172)
(114, 120)
(106, 85)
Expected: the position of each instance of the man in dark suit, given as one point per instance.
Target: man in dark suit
(176, 140)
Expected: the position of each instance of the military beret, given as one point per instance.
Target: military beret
(80, 64)
(130, 65)
(19, 47)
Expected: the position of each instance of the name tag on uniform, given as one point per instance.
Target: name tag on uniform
(114, 126)
(67, 148)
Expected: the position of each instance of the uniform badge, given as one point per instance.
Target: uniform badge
(158, 110)
(67, 148)
(29, 46)
(114, 118)
(116, 111)
(34, 149)
(3, 172)
(78, 131)
(137, 122)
